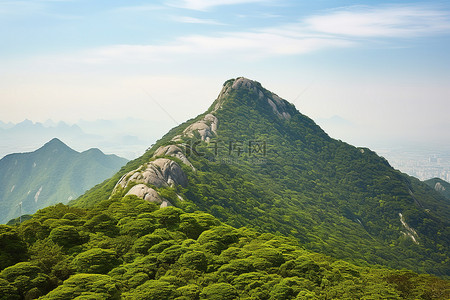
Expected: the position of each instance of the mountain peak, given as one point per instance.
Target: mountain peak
(56, 144)
(279, 106)
(55, 141)
(239, 96)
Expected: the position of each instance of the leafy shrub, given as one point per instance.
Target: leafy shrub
(152, 290)
(12, 248)
(86, 286)
(194, 260)
(8, 291)
(25, 276)
(103, 223)
(219, 291)
(66, 236)
(95, 260)
(144, 243)
(169, 216)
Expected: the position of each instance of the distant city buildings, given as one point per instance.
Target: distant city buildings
(420, 163)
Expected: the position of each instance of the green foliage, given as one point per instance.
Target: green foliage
(219, 291)
(152, 290)
(186, 256)
(143, 244)
(169, 216)
(86, 286)
(95, 260)
(12, 248)
(8, 291)
(26, 279)
(143, 225)
(66, 236)
(102, 223)
(195, 260)
(54, 173)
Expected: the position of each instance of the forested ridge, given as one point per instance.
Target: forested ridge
(128, 248)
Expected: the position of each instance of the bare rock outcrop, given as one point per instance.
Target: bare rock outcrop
(279, 106)
(160, 172)
(439, 187)
(205, 127)
(144, 192)
(174, 151)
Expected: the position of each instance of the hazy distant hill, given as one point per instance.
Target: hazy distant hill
(123, 137)
(439, 185)
(54, 173)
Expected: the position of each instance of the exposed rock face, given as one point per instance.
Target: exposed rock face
(175, 151)
(439, 187)
(148, 194)
(409, 231)
(160, 172)
(279, 106)
(206, 128)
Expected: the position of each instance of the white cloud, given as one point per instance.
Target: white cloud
(335, 29)
(137, 8)
(203, 5)
(24, 8)
(386, 21)
(244, 45)
(190, 20)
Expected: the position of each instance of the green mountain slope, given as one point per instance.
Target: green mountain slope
(253, 160)
(127, 248)
(439, 185)
(54, 173)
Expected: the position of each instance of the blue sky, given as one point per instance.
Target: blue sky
(382, 66)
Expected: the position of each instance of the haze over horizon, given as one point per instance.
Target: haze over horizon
(382, 66)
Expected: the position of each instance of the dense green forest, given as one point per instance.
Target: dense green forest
(128, 248)
(286, 176)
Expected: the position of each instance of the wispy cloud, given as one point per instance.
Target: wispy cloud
(138, 8)
(386, 21)
(204, 5)
(244, 45)
(191, 20)
(349, 27)
(22, 8)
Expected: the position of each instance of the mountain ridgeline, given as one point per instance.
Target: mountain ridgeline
(440, 186)
(54, 173)
(253, 160)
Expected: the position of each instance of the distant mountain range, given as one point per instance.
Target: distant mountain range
(126, 137)
(54, 173)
